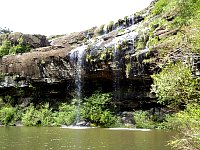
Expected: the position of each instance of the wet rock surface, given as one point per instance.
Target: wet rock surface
(110, 62)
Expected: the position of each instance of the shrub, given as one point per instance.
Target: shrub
(100, 30)
(8, 48)
(38, 117)
(110, 26)
(188, 123)
(31, 117)
(159, 6)
(5, 47)
(66, 115)
(143, 120)
(98, 110)
(8, 115)
(174, 85)
(20, 47)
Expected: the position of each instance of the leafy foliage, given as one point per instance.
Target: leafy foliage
(110, 26)
(7, 47)
(188, 10)
(175, 86)
(100, 30)
(5, 30)
(38, 117)
(8, 115)
(144, 120)
(66, 114)
(159, 5)
(188, 123)
(98, 110)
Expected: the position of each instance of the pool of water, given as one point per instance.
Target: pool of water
(54, 138)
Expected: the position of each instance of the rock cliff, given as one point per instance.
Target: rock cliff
(118, 57)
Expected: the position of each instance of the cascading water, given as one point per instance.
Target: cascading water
(124, 39)
(77, 59)
(116, 73)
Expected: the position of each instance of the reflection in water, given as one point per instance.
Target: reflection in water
(32, 138)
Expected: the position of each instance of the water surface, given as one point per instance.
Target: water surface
(53, 138)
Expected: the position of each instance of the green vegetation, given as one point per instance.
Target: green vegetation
(100, 30)
(4, 30)
(180, 15)
(144, 120)
(174, 86)
(8, 115)
(128, 69)
(187, 122)
(38, 117)
(66, 114)
(8, 48)
(98, 109)
(159, 6)
(177, 88)
(109, 27)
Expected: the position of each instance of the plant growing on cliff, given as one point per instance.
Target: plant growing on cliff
(8, 48)
(128, 69)
(5, 47)
(175, 86)
(100, 30)
(110, 26)
(4, 30)
(19, 48)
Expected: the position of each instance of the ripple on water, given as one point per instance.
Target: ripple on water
(132, 129)
(76, 127)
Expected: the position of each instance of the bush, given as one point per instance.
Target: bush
(144, 120)
(98, 110)
(100, 30)
(66, 115)
(174, 86)
(159, 6)
(188, 123)
(38, 117)
(110, 26)
(8, 115)
(7, 47)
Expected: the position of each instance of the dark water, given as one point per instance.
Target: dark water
(50, 138)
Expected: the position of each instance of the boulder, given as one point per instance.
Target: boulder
(34, 40)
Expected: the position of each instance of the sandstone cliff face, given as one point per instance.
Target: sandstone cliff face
(116, 58)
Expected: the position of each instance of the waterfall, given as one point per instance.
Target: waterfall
(116, 74)
(77, 59)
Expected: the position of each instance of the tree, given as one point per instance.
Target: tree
(4, 30)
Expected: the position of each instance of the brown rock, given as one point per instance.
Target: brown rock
(34, 41)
